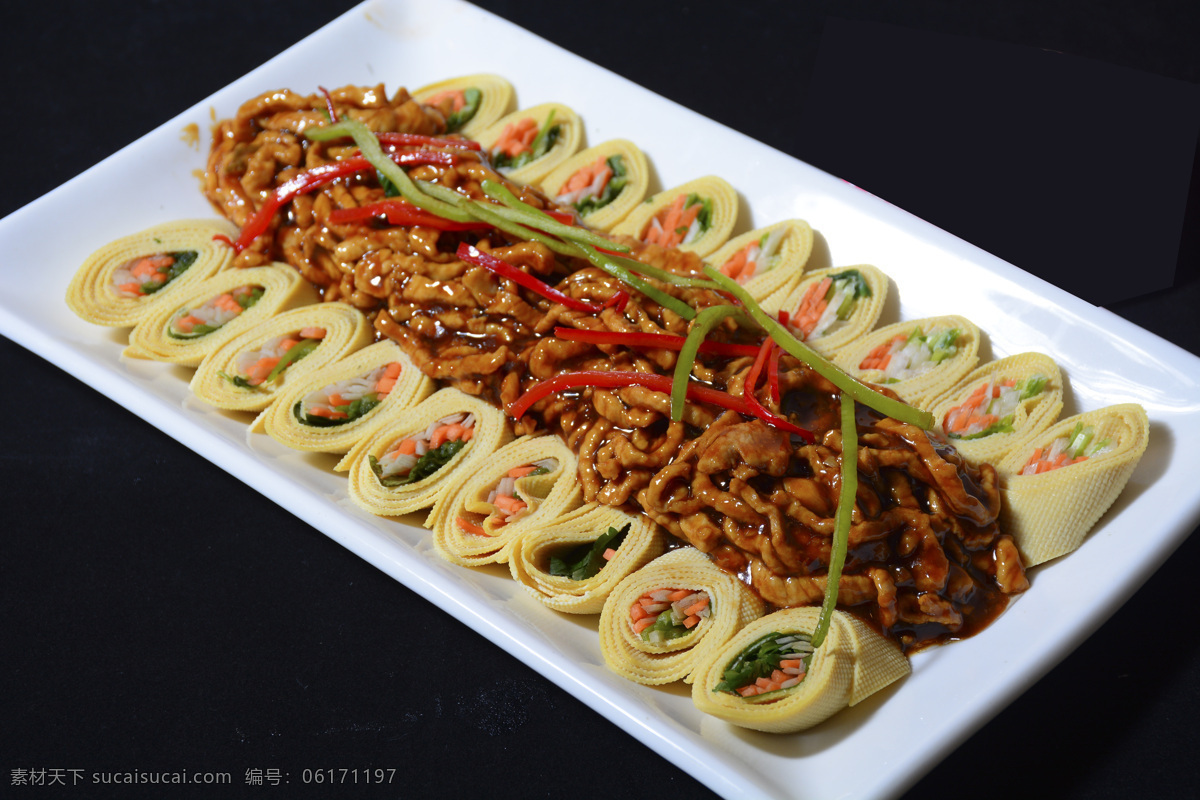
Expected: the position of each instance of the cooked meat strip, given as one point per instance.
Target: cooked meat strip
(926, 561)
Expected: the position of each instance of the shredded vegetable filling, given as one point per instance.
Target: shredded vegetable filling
(508, 507)
(584, 561)
(906, 357)
(829, 303)
(420, 455)
(682, 222)
(991, 407)
(266, 364)
(146, 275)
(595, 186)
(523, 142)
(1079, 445)
(193, 323)
(772, 664)
(755, 258)
(661, 615)
(348, 400)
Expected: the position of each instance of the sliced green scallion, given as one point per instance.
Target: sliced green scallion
(705, 321)
(841, 534)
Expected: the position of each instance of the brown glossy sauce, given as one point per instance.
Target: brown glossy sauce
(759, 502)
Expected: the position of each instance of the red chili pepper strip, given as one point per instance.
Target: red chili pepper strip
(661, 341)
(773, 373)
(473, 255)
(315, 178)
(399, 212)
(420, 140)
(757, 409)
(328, 104)
(616, 379)
(564, 217)
(618, 301)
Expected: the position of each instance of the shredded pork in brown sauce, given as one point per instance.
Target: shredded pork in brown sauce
(926, 562)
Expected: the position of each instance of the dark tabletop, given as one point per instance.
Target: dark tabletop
(148, 628)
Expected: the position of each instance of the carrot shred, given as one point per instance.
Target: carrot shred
(467, 526)
(521, 472)
(509, 505)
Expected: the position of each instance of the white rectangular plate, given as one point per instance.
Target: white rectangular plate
(1106, 359)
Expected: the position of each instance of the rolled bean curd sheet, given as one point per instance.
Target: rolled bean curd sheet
(421, 460)
(602, 183)
(525, 484)
(121, 284)
(249, 370)
(332, 409)
(527, 145)
(830, 308)
(1059, 483)
(215, 310)
(918, 359)
(767, 261)
(851, 664)
(696, 217)
(999, 404)
(473, 102)
(566, 564)
(641, 606)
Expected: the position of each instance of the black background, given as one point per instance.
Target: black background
(149, 628)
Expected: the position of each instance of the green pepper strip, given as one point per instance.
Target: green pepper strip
(526, 214)
(633, 265)
(895, 409)
(841, 534)
(486, 212)
(575, 249)
(589, 245)
(619, 272)
(705, 321)
(371, 150)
